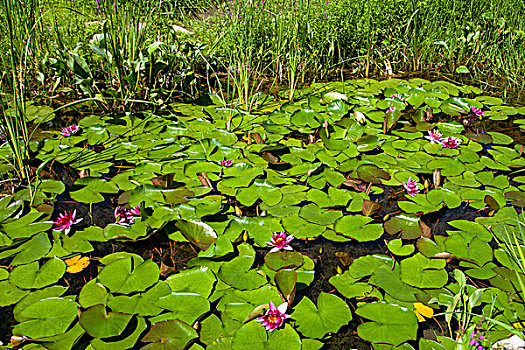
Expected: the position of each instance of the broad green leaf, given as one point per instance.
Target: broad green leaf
(46, 317)
(99, 323)
(125, 277)
(328, 316)
(34, 276)
(391, 324)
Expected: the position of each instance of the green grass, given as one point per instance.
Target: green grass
(288, 42)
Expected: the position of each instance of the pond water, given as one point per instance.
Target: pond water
(404, 199)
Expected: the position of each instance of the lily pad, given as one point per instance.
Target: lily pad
(328, 316)
(102, 324)
(168, 335)
(34, 276)
(46, 317)
(391, 324)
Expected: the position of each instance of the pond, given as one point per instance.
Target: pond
(363, 214)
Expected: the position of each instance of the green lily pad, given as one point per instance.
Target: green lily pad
(255, 336)
(391, 324)
(286, 281)
(99, 323)
(358, 227)
(406, 225)
(396, 247)
(237, 272)
(125, 343)
(34, 276)
(198, 233)
(283, 259)
(328, 316)
(10, 294)
(46, 317)
(184, 306)
(168, 335)
(260, 189)
(93, 187)
(124, 276)
(421, 272)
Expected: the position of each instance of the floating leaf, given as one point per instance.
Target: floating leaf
(198, 233)
(77, 264)
(283, 259)
(171, 334)
(99, 323)
(125, 277)
(391, 324)
(328, 316)
(256, 336)
(237, 272)
(358, 227)
(35, 276)
(422, 311)
(46, 317)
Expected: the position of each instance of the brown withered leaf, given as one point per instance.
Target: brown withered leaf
(343, 259)
(426, 231)
(166, 270)
(371, 208)
(491, 203)
(269, 157)
(357, 185)
(205, 181)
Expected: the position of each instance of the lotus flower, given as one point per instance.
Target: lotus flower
(125, 216)
(434, 136)
(65, 221)
(399, 96)
(280, 241)
(226, 163)
(69, 130)
(391, 109)
(451, 142)
(477, 111)
(411, 186)
(274, 317)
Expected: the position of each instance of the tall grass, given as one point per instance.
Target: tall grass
(305, 38)
(20, 21)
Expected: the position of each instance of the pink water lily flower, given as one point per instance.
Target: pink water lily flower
(125, 216)
(451, 142)
(280, 241)
(434, 136)
(399, 96)
(391, 109)
(325, 124)
(477, 111)
(411, 186)
(226, 163)
(274, 317)
(65, 221)
(69, 130)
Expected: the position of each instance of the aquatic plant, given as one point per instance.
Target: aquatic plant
(65, 221)
(451, 142)
(434, 136)
(226, 163)
(125, 216)
(411, 186)
(204, 267)
(280, 241)
(69, 130)
(274, 317)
